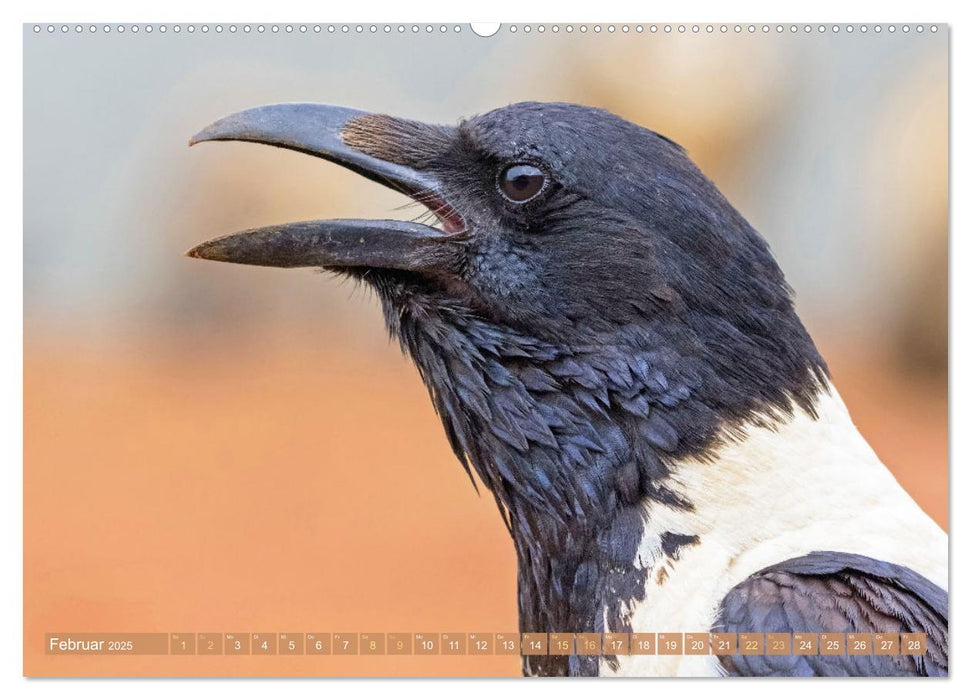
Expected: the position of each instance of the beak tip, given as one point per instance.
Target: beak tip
(230, 249)
(204, 135)
(196, 252)
(225, 129)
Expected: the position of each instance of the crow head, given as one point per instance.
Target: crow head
(560, 220)
(587, 294)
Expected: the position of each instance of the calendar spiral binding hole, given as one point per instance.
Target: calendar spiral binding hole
(438, 29)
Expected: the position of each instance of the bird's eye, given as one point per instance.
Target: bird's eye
(520, 183)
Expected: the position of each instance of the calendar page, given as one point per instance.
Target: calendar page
(516, 349)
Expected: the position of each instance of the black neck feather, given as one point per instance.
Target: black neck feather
(573, 439)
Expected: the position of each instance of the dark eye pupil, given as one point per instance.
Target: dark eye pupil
(521, 182)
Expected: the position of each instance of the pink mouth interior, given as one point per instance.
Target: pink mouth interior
(451, 220)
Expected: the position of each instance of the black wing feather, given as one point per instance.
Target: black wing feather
(837, 592)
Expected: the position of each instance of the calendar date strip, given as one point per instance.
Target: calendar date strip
(486, 644)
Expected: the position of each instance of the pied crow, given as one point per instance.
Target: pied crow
(615, 354)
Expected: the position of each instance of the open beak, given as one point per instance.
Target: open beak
(342, 243)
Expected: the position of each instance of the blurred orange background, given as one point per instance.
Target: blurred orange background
(212, 448)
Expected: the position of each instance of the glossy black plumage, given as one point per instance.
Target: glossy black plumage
(837, 592)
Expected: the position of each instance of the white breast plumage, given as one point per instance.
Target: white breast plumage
(810, 484)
